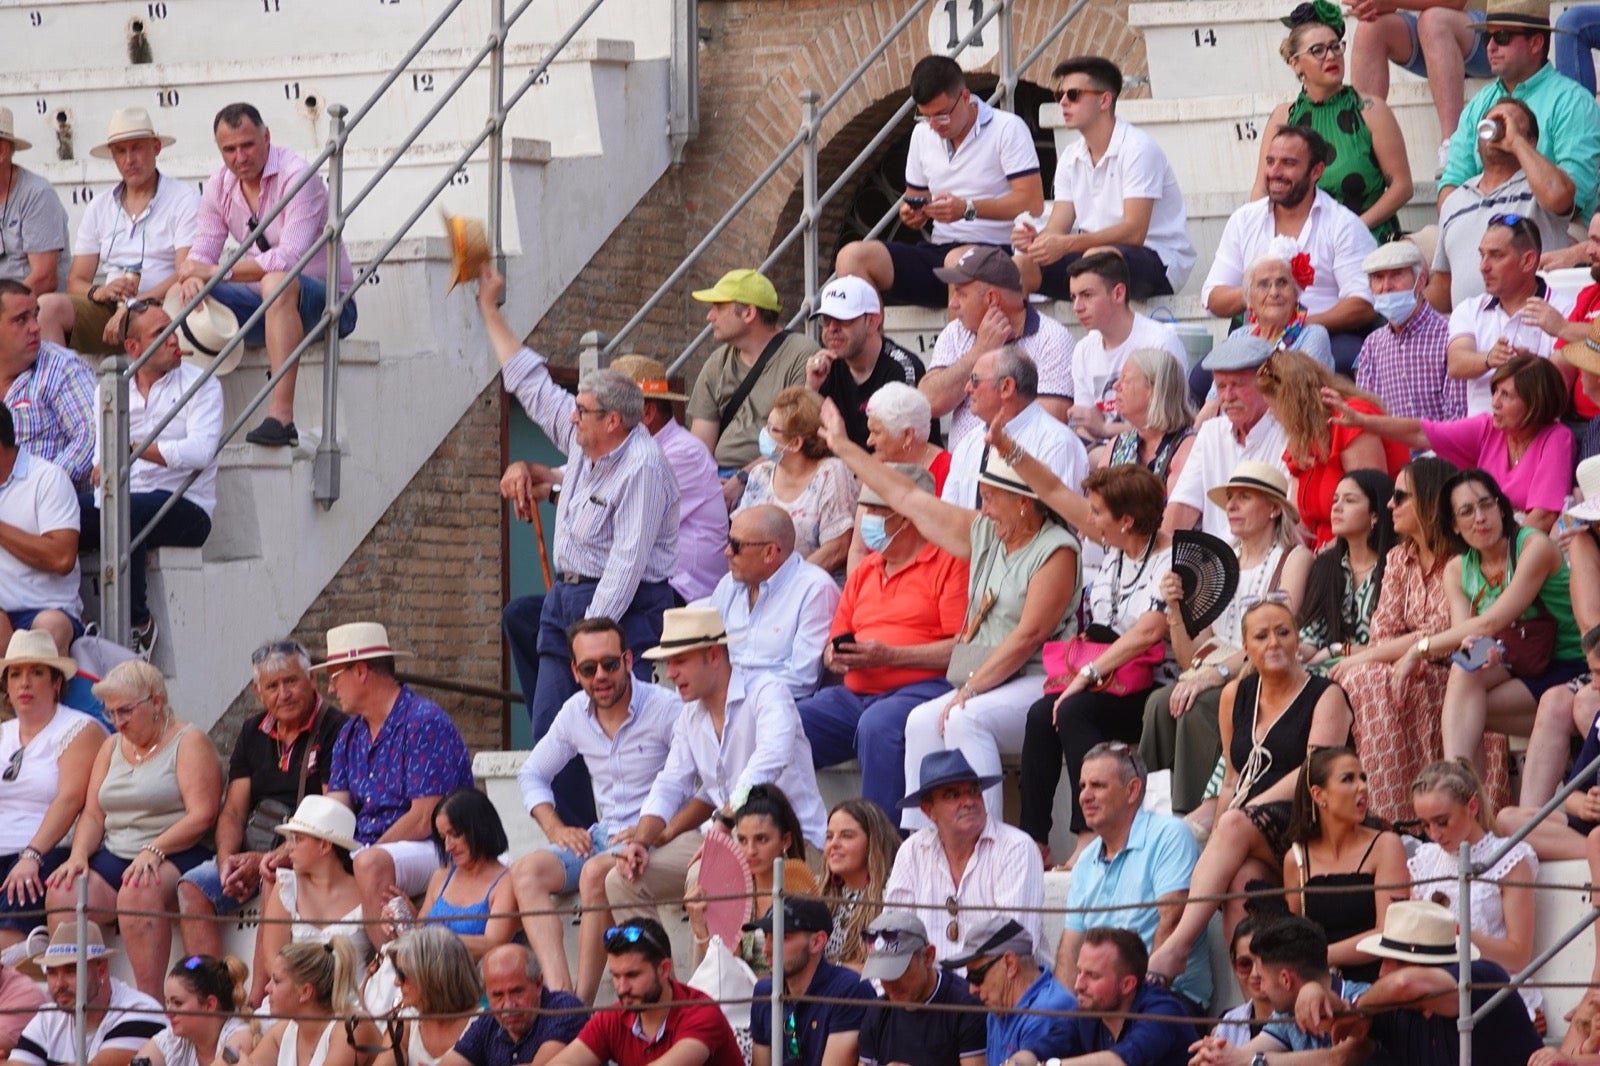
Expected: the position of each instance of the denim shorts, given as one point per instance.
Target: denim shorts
(243, 300)
(208, 879)
(573, 863)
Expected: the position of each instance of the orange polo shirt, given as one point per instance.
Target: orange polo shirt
(922, 603)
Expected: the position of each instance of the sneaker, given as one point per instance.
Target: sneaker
(274, 434)
(144, 639)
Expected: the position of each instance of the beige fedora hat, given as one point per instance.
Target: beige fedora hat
(686, 629)
(8, 131)
(323, 818)
(1260, 477)
(63, 947)
(355, 641)
(36, 646)
(129, 124)
(1416, 930)
(205, 331)
(469, 247)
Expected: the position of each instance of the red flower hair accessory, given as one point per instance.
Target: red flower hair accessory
(1302, 270)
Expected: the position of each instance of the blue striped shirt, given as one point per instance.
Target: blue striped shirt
(52, 406)
(627, 499)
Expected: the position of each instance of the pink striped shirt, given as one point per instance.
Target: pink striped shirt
(225, 213)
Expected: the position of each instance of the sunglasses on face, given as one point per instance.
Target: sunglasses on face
(976, 975)
(1072, 96)
(1505, 37)
(589, 667)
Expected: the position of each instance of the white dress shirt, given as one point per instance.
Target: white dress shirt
(621, 768)
(784, 632)
(1044, 436)
(1004, 876)
(1217, 452)
(762, 743)
(1334, 236)
(189, 441)
(702, 512)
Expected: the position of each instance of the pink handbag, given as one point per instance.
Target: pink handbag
(1065, 658)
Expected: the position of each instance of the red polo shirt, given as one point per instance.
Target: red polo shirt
(924, 602)
(613, 1034)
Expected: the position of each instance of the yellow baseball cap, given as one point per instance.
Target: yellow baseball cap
(741, 287)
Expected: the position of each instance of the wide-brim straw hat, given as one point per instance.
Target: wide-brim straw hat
(37, 646)
(1516, 15)
(205, 331)
(63, 947)
(1257, 477)
(998, 474)
(469, 247)
(1416, 931)
(8, 131)
(130, 124)
(355, 641)
(323, 818)
(688, 629)
(1585, 354)
(649, 374)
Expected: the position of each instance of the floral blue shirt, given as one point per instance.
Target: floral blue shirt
(418, 752)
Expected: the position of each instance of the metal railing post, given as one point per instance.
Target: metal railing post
(497, 119)
(80, 1009)
(325, 468)
(116, 600)
(1008, 67)
(808, 182)
(683, 109)
(776, 943)
(1464, 874)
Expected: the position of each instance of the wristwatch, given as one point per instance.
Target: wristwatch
(971, 213)
(1225, 674)
(1258, 1059)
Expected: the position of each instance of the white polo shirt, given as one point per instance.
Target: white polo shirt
(37, 498)
(1216, 454)
(1044, 436)
(1048, 343)
(1485, 321)
(1133, 168)
(150, 241)
(998, 149)
(1333, 236)
(1095, 370)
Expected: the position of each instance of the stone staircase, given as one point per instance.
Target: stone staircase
(585, 144)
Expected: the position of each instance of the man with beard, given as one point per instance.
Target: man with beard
(1244, 430)
(1332, 239)
(811, 1034)
(118, 1017)
(527, 1021)
(646, 1028)
(1516, 180)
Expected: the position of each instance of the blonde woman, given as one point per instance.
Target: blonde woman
(313, 988)
(440, 992)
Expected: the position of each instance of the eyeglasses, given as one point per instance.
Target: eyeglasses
(1321, 51)
(609, 664)
(1486, 505)
(594, 412)
(273, 651)
(1400, 496)
(14, 767)
(952, 907)
(620, 938)
(735, 545)
(1243, 964)
(1071, 95)
(124, 711)
(1505, 37)
(974, 380)
(791, 1034)
(943, 118)
(977, 974)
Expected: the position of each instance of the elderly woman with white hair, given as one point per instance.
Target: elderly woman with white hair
(899, 425)
(1152, 398)
(152, 799)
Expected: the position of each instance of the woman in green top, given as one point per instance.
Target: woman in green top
(1368, 171)
(1504, 573)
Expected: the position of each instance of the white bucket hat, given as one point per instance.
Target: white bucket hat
(129, 124)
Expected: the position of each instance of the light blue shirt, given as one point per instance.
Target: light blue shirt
(1157, 860)
(621, 768)
(784, 632)
(1045, 1036)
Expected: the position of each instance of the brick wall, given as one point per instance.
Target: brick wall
(430, 571)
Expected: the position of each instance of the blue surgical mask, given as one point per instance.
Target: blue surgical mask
(769, 447)
(873, 532)
(1397, 307)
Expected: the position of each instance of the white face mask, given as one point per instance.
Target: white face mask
(1397, 307)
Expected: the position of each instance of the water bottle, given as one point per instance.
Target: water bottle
(398, 915)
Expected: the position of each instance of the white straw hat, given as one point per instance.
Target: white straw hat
(129, 124)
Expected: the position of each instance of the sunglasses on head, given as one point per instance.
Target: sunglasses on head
(136, 307)
(620, 938)
(272, 651)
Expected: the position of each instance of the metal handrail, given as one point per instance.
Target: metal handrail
(116, 374)
(806, 226)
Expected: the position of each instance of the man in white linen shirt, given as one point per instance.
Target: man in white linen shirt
(981, 866)
(1245, 429)
(188, 443)
(777, 607)
(989, 310)
(1003, 391)
(1114, 188)
(1099, 286)
(1488, 331)
(737, 729)
(621, 729)
(1332, 237)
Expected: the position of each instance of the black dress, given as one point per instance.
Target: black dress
(1344, 913)
(1281, 752)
